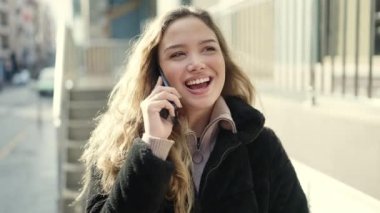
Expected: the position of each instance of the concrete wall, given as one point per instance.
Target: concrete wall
(248, 29)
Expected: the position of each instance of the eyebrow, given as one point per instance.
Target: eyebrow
(181, 45)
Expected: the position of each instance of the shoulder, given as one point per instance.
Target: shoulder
(270, 164)
(243, 113)
(248, 120)
(267, 152)
(266, 139)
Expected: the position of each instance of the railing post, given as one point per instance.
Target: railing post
(371, 47)
(332, 41)
(322, 40)
(344, 51)
(313, 52)
(357, 48)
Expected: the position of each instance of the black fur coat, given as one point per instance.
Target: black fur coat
(246, 172)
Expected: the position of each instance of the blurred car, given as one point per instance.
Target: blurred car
(45, 82)
(21, 78)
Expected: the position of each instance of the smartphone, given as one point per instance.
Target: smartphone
(164, 113)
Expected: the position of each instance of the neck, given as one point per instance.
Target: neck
(198, 119)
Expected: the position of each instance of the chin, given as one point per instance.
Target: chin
(205, 103)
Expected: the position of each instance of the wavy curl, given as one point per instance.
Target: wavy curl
(122, 122)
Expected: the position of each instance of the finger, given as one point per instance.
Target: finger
(158, 105)
(174, 91)
(163, 95)
(171, 108)
(159, 81)
(156, 87)
(171, 90)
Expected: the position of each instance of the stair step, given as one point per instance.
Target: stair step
(79, 133)
(87, 95)
(86, 110)
(84, 114)
(88, 103)
(80, 143)
(70, 194)
(74, 151)
(73, 123)
(69, 206)
(84, 105)
(73, 175)
(79, 130)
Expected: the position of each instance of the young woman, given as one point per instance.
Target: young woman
(211, 154)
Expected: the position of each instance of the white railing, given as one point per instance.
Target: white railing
(104, 56)
(93, 64)
(66, 70)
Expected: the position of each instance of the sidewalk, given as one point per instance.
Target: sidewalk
(28, 153)
(338, 137)
(327, 195)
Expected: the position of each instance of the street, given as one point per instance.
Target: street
(28, 154)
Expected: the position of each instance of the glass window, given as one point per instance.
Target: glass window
(76, 7)
(3, 18)
(4, 42)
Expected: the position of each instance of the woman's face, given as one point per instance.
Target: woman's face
(193, 63)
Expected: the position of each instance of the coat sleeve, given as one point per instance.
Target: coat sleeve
(140, 186)
(286, 194)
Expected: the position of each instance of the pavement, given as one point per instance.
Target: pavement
(334, 147)
(28, 153)
(328, 195)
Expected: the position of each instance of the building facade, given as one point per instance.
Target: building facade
(26, 35)
(6, 21)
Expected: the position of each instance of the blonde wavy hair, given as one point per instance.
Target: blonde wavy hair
(123, 122)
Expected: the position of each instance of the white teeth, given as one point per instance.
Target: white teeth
(198, 81)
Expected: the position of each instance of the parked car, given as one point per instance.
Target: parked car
(21, 78)
(45, 82)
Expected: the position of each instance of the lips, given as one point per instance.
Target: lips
(198, 83)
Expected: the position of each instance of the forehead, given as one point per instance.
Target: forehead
(186, 30)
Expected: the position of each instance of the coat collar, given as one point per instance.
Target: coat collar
(248, 120)
(249, 123)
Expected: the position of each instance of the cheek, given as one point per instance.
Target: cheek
(222, 71)
(217, 60)
(173, 73)
(221, 67)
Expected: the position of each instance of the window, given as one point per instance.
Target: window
(77, 7)
(3, 18)
(377, 28)
(4, 42)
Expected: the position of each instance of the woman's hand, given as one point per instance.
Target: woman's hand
(158, 99)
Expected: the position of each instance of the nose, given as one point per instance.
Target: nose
(196, 64)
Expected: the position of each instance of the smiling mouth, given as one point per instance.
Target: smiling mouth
(199, 83)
